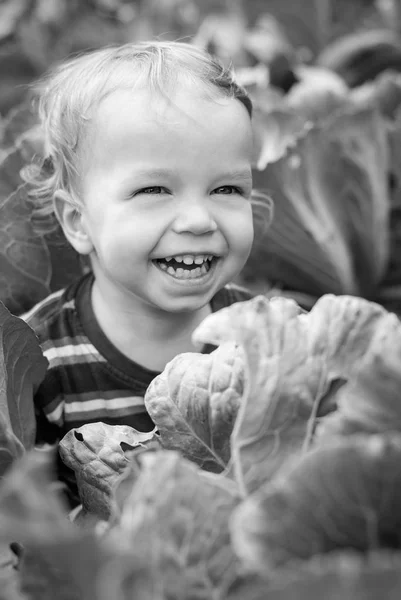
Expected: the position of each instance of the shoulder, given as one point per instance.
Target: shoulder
(230, 294)
(49, 317)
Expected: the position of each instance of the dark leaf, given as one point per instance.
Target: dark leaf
(22, 368)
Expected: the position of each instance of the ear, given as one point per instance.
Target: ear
(262, 212)
(72, 222)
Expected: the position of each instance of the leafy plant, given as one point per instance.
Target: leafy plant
(32, 262)
(293, 361)
(371, 401)
(194, 403)
(336, 186)
(337, 576)
(298, 404)
(98, 453)
(22, 368)
(336, 497)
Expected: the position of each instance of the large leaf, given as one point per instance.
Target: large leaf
(345, 495)
(58, 560)
(330, 232)
(29, 510)
(371, 401)
(194, 403)
(97, 452)
(22, 368)
(176, 519)
(292, 361)
(337, 576)
(364, 158)
(24, 258)
(32, 263)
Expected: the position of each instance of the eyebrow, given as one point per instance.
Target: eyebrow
(245, 174)
(235, 175)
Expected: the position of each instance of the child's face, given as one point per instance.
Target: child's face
(166, 182)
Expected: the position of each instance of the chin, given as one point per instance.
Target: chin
(184, 305)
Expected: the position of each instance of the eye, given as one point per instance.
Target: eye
(151, 190)
(228, 190)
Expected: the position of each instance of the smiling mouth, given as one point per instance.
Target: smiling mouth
(186, 267)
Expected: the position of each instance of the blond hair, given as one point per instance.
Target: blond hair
(71, 92)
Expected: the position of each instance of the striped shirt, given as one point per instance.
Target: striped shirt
(88, 378)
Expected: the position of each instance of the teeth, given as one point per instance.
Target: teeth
(190, 259)
(185, 273)
(203, 260)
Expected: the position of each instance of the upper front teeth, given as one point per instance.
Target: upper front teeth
(189, 260)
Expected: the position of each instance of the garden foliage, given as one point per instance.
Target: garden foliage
(333, 171)
(273, 467)
(34, 259)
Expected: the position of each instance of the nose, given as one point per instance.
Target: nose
(195, 216)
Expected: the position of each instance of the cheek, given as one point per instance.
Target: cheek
(248, 238)
(243, 234)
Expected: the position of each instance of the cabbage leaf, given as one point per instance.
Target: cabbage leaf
(97, 452)
(340, 496)
(339, 575)
(331, 228)
(194, 403)
(58, 559)
(177, 518)
(370, 402)
(292, 360)
(32, 263)
(22, 368)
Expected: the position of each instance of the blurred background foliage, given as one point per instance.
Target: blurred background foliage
(36, 33)
(325, 80)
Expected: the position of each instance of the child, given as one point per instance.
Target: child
(150, 148)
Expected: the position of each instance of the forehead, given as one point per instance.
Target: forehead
(128, 122)
(182, 107)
